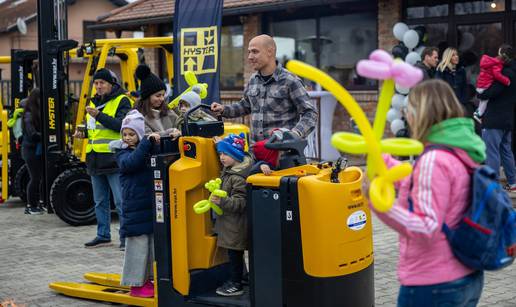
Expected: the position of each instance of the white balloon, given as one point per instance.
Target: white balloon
(393, 114)
(405, 102)
(412, 58)
(402, 90)
(397, 101)
(397, 125)
(420, 49)
(410, 39)
(399, 30)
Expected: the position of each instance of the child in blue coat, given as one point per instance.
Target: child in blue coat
(137, 190)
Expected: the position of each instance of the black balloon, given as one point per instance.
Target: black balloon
(399, 51)
(421, 32)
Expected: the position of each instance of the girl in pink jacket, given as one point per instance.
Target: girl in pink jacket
(491, 71)
(439, 192)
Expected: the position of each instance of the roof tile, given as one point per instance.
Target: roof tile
(12, 9)
(156, 8)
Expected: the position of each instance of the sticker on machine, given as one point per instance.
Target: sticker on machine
(357, 220)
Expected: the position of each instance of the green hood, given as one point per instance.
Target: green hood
(460, 133)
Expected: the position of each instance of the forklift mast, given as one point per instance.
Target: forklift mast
(22, 79)
(52, 44)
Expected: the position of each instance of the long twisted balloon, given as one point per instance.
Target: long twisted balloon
(379, 66)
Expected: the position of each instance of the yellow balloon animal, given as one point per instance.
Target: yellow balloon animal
(381, 190)
(204, 205)
(191, 80)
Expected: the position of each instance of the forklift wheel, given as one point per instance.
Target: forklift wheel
(71, 197)
(21, 180)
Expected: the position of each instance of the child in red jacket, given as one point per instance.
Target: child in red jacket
(490, 70)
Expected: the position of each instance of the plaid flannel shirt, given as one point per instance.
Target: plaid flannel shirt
(280, 102)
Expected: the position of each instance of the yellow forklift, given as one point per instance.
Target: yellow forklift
(68, 206)
(67, 187)
(16, 176)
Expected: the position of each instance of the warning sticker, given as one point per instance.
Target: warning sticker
(158, 185)
(160, 218)
(157, 174)
(357, 220)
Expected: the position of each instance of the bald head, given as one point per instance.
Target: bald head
(262, 53)
(265, 41)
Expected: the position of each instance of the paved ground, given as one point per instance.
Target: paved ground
(36, 250)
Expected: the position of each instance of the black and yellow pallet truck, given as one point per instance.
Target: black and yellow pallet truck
(310, 233)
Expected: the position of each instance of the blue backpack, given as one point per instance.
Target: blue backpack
(485, 238)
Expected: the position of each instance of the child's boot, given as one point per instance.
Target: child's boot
(147, 290)
(477, 117)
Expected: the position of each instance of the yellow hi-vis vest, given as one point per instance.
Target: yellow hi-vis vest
(99, 138)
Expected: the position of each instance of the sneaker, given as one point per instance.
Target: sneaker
(42, 206)
(147, 290)
(33, 211)
(510, 188)
(477, 117)
(230, 288)
(97, 242)
(122, 245)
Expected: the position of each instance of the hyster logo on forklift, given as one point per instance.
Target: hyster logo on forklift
(51, 113)
(199, 50)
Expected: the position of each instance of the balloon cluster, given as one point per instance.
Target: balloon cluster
(204, 205)
(409, 49)
(411, 42)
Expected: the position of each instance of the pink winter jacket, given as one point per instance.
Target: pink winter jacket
(491, 70)
(440, 193)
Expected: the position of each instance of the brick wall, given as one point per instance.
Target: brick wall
(151, 54)
(389, 13)
(367, 101)
(252, 27)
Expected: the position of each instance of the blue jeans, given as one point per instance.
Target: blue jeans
(499, 148)
(463, 292)
(102, 185)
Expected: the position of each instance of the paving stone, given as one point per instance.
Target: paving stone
(37, 250)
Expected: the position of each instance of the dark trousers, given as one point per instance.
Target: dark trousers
(463, 292)
(35, 166)
(236, 263)
(499, 150)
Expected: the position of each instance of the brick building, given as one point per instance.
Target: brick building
(331, 34)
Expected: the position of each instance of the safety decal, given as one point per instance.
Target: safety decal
(157, 174)
(153, 162)
(158, 185)
(199, 52)
(289, 215)
(357, 220)
(159, 208)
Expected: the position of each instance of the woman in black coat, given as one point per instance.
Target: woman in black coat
(449, 71)
(31, 151)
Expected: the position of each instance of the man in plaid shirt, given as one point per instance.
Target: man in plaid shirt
(274, 97)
